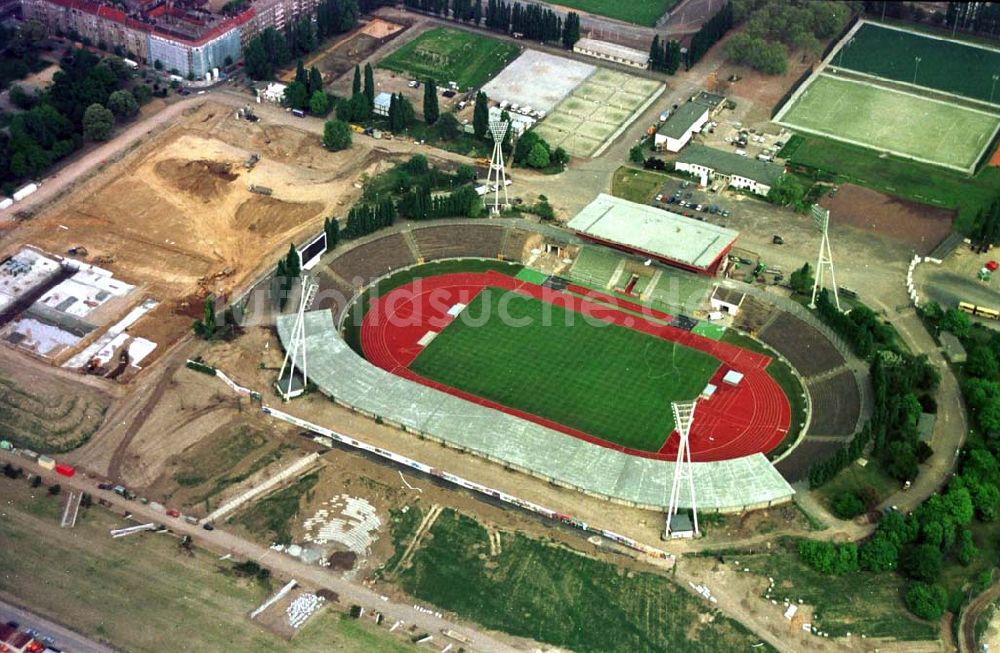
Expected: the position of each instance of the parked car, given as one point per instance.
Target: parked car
(208, 526)
(173, 513)
(104, 486)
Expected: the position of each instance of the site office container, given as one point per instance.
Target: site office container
(66, 470)
(46, 462)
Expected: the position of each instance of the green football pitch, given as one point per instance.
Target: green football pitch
(451, 55)
(892, 121)
(945, 65)
(605, 380)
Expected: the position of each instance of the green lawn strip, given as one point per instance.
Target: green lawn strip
(945, 65)
(358, 309)
(143, 593)
(610, 303)
(451, 55)
(559, 597)
(622, 380)
(532, 276)
(898, 177)
(857, 603)
(226, 454)
(784, 377)
(271, 516)
(709, 330)
(638, 186)
(638, 12)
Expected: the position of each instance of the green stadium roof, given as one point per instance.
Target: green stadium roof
(730, 163)
(681, 120)
(653, 231)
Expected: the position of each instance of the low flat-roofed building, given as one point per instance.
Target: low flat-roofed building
(654, 233)
(612, 52)
(713, 101)
(952, 347)
(737, 171)
(676, 132)
(381, 104)
(727, 300)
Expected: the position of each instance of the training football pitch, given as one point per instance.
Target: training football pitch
(451, 55)
(640, 12)
(946, 65)
(605, 380)
(891, 121)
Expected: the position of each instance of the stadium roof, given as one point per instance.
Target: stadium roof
(341, 373)
(730, 163)
(682, 118)
(612, 50)
(653, 231)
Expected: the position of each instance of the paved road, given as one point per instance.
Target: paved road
(65, 639)
(281, 565)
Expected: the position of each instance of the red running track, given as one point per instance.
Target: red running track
(737, 421)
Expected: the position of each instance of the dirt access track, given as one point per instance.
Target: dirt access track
(176, 218)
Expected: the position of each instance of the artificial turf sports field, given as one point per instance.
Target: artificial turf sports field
(622, 380)
(467, 59)
(888, 120)
(945, 65)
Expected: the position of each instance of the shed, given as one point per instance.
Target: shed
(952, 347)
(732, 377)
(727, 300)
(681, 526)
(381, 104)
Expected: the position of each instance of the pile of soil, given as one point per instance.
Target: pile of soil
(342, 560)
(204, 179)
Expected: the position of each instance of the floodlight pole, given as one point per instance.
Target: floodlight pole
(825, 258)
(683, 466)
(497, 173)
(295, 355)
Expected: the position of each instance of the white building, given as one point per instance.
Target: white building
(519, 123)
(381, 104)
(676, 132)
(709, 164)
(275, 92)
(612, 52)
(726, 300)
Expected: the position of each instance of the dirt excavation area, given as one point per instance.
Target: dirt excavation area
(176, 218)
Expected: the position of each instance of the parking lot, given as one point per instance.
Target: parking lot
(685, 198)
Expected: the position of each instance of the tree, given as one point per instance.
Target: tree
(158, 65)
(206, 326)
(315, 80)
(636, 154)
(449, 127)
(878, 554)
(336, 135)
(538, 157)
(847, 505)
(481, 115)
(982, 362)
(465, 174)
(20, 98)
(123, 104)
(55, 489)
(966, 550)
(319, 104)
(97, 122)
(297, 95)
(956, 321)
(301, 76)
(369, 85)
(656, 53)
(560, 157)
(801, 281)
(571, 30)
(431, 112)
(786, 191)
(356, 85)
(926, 601)
(923, 562)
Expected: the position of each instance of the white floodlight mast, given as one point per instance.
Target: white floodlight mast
(825, 259)
(498, 173)
(684, 466)
(295, 356)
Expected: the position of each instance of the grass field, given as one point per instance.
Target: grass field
(451, 55)
(639, 12)
(893, 176)
(358, 308)
(945, 65)
(547, 365)
(142, 593)
(548, 593)
(888, 120)
(48, 420)
(635, 185)
(273, 514)
(855, 603)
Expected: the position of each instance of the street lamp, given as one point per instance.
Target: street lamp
(916, 66)
(994, 87)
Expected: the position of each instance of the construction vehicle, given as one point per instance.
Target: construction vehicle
(481, 161)
(251, 161)
(260, 190)
(357, 129)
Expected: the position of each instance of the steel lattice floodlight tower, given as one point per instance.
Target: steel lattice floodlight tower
(295, 356)
(825, 259)
(498, 174)
(684, 467)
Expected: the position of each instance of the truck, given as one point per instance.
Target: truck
(251, 161)
(122, 491)
(5, 445)
(260, 190)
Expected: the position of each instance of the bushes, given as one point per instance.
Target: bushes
(828, 558)
(926, 601)
(848, 505)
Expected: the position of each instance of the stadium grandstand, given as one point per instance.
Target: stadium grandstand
(651, 232)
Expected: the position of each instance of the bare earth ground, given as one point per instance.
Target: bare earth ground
(176, 218)
(920, 225)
